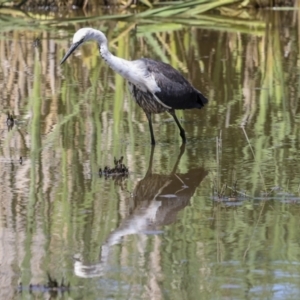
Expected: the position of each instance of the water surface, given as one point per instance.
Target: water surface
(218, 218)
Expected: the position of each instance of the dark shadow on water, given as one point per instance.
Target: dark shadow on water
(10, 121)
(155, 202)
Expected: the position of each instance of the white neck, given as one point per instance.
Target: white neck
(134, 71)
(119, 65)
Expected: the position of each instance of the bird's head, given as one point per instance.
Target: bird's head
(83, 35)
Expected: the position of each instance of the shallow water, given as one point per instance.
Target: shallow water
(219, 217)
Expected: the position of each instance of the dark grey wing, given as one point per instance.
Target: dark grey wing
(176, 91)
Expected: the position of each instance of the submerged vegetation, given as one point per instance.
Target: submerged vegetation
(118, 170)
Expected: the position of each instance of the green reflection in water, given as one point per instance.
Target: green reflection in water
(180, 242)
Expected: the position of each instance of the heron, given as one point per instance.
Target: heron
(155, 86)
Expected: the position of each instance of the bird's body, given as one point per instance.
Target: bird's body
(155, 86)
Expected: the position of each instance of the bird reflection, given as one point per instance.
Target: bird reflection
(156, 201)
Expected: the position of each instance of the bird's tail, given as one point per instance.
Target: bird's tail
(201, 100)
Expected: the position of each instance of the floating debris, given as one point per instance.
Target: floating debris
(10, 121)
(36, 43)
(118, 170)
(221, 194)
(52, 287)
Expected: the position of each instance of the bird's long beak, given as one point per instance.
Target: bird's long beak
(70, 51)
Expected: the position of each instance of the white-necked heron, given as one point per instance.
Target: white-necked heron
(156, 86)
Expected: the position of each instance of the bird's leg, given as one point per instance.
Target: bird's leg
(182, 149)
(149, 171)
(151, 128)
(182, 132)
